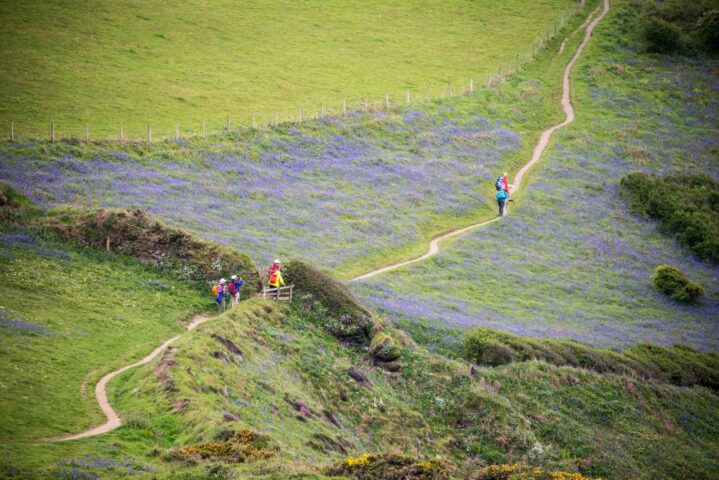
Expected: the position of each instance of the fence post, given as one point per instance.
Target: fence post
(386, 101)
(366, 104)
(122, 139)
(177, 131)
(203, 127)
(12, 131)
(229, 123)
(322, 109)
(299, 115)
(149, 133)
(471, 85)
(87, 133)
(52, 132)
(408, 98)
(344, 106)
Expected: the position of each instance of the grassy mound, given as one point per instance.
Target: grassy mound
(679, 364)
(685, 205)
(330, 303)
(14, 205)
(137, 234)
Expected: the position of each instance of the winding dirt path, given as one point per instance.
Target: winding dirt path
(113, 419)
(536, 155)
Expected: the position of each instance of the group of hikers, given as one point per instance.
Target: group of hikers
(223, 289)
(231, 289)
(502, 186)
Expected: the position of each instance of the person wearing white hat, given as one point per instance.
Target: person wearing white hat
(275, 266)
(234, 288)
(220, 299)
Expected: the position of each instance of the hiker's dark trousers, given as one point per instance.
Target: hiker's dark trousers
(501, 207)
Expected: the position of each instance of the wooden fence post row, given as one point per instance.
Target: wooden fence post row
(502, 73)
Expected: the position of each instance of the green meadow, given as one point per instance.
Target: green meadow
(106, 63)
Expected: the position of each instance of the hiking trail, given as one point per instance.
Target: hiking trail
(536, 155)
(113, 419)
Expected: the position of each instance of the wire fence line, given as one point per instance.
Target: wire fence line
(387, 103)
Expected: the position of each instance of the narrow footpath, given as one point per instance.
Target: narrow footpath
(536, 156)
(113, 419)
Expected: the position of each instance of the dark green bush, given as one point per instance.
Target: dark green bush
(685, 205)
(661, 36)
(707, 30)
(672, 282)
(679, 365)
(340, 314)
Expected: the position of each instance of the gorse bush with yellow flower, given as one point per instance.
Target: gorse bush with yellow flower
(391, 467)
(242, 447)
(522, 471)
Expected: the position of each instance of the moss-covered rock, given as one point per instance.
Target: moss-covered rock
(384, 348)
(138, 234)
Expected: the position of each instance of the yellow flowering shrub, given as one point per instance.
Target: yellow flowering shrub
(244, 446)
(520, 471)
(365, 459)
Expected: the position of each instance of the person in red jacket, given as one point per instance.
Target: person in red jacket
(505, 181)
(275, 266)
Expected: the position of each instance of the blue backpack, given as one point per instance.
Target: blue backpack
(499, 184)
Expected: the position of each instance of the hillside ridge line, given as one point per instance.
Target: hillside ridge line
(536, 155)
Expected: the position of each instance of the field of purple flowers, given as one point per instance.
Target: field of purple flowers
(337, 190)
(571, 262)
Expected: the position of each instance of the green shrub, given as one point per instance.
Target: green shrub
(137, 234)
(484, 351)
(661, 36)
(707, 30)
(672, 282)
(337, 310)
(679, 365)
(685, 205)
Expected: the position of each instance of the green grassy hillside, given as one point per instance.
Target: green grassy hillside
(107, 63)
(271, 369)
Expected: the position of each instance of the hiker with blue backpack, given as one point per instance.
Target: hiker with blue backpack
(502, 197)
(218, 291)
